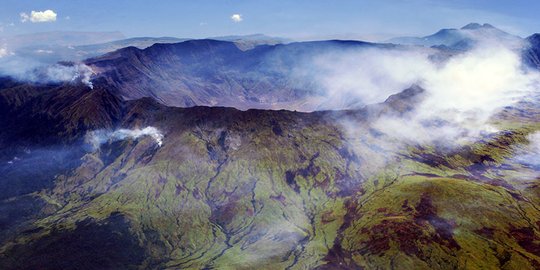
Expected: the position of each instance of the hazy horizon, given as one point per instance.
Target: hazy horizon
(299, 20)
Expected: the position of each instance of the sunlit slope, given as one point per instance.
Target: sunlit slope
(271, 189)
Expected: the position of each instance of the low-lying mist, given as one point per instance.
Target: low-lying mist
(28, 70)
(462, 90)
(530, 154)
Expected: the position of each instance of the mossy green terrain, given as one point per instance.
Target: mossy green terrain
(255, 189)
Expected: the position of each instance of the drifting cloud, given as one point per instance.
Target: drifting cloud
(365, 76)
(30, 69)
(462, 92)
(39, 16)
(531, 154)
(42, 51)
(3, 52)
(98, 137)
(237, 18)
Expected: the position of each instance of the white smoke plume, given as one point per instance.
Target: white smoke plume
(63, 73)
(29, 70)
(98, 137)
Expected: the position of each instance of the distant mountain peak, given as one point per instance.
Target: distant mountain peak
(534, 37)
(461, 39)
(474, 26)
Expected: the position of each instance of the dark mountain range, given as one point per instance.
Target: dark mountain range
(133, 174)
(219, 73)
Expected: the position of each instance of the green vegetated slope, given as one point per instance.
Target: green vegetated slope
(279, 190)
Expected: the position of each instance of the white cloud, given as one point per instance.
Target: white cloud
(236, 18)
(368, 75)
(24, 17)
(530, 155)
(3, 52)
(41, 51)
(39, 16)
(462, 92)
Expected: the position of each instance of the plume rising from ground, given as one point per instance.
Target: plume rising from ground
(24, 69)
(98, 137)
(63, 73)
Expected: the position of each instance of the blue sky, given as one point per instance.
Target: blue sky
(301, 19)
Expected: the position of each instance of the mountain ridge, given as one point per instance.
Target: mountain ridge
(242, 189)
(192, 73)
(116, 176)
(458, 39)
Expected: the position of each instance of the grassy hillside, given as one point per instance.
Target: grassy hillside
(233, 189)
